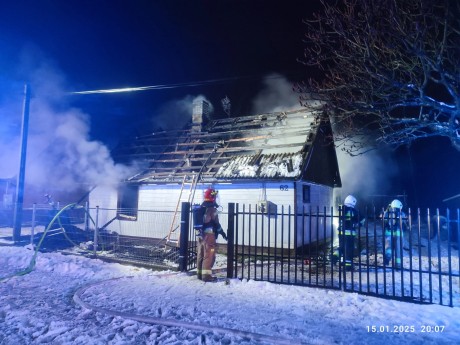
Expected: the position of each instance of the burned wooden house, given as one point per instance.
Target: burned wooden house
(270, 163)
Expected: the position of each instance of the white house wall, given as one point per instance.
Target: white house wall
(314, 222)
(249, 196)
(157, 205)
(165, 197)
(105, 199)
(156, 215)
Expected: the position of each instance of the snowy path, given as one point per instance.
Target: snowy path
(262, 308)
(38, 308)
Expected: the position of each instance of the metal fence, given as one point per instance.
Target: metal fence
(150, 239)
(286, 246)
(282, 248)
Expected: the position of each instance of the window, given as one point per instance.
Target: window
(128, 197)
(306, 194)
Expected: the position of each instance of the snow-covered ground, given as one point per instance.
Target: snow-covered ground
(70, 299)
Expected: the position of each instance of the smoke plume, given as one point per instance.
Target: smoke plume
(177, 113)
(276, 95)
(365, 176)
(60, 152)
(368, 176)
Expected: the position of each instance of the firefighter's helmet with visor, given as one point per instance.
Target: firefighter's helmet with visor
(210, 194)
(350, 201)
(396, 204)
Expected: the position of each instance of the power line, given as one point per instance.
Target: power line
(150, 87)
(172, 86)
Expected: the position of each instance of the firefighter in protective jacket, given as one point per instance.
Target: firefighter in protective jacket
(394, 219)
(207, 236)
(349, 222)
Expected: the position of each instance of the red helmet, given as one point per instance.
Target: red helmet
(210, 194)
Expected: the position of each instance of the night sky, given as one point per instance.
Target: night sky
(98, 44)
(94, 44)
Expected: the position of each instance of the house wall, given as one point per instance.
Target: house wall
(156, 211)
(157, 205)
(318, 224)
(277, 198)
(105, 198)
(320, 196)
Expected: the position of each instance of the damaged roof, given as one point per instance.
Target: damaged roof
(271, 146)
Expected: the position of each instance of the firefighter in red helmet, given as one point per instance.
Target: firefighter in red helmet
(210, 196)
(210, 230)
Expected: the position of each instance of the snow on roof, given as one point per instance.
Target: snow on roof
(268, 166)
(264, 146)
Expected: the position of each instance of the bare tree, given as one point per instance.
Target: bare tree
(389, 70)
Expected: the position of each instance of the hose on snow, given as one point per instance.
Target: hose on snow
(176, 323)
(33, 260)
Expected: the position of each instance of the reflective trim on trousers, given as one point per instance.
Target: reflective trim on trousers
(396, 233)
(390, 251)
(348, 232)
(208, 230)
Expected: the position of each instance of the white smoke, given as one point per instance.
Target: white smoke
(368, 175)
(276, 95)
(365, 176)
(60, 152)
(177, 113)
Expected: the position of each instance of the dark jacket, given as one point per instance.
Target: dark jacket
(214, 222)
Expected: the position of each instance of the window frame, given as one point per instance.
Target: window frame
(306, 194)
(127, 202)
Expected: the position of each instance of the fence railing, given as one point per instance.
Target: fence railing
(149, 240)
(287, 246)
(296, 248)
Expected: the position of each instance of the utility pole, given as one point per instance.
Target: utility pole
(22, 168)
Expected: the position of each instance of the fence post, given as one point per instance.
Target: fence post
(183, 239)
(96, 231)
(342, 271)
(230, 239)
(86, 218)
(32, 228)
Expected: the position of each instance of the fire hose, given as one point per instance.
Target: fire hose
(32, 263)
(176, 323)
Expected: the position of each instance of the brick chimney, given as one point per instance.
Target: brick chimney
(200, 110)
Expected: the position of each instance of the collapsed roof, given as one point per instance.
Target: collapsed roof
(271, 146)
